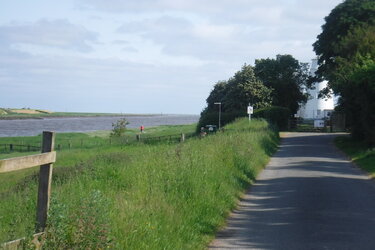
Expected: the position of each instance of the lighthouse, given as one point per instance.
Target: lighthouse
(316, 108)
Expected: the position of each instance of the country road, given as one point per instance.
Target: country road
(308, 197)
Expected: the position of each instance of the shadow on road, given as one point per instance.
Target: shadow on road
(309, 197)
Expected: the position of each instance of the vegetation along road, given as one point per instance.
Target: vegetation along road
(308, 197)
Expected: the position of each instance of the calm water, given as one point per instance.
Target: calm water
(32, 127)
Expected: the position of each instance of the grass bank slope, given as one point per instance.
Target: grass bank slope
(164, 196)
(361, 154)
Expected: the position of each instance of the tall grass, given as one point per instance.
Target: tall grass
(359, 152)
(89, 140)
(165, 196)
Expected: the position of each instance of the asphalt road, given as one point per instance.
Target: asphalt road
(308, 197)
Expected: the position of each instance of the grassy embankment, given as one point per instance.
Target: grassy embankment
(88, 140)
(363, 156)
(164, 196)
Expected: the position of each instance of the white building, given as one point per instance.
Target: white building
(316, 108)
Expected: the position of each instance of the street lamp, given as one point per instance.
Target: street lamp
(219, 103)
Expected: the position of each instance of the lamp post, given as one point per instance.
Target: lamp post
(219, 103)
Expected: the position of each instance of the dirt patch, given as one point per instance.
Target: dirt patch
(29, 111)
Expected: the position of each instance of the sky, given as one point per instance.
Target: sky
(143, 56)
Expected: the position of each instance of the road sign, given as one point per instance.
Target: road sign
(250, 110)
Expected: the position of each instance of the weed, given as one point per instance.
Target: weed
(84, 226)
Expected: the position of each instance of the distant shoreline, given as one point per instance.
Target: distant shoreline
(78, 115)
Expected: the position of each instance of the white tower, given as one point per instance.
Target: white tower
(316, 108)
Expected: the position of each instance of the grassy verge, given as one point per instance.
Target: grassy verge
(65, 141)
(363, 156)
(139, 196)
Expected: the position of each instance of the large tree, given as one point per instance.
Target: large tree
(245, 88)
(346, 51)
(235, 94)
(354, 80)
(343, 19)
(287, 77)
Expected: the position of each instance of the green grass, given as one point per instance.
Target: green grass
(141, 196)
(65, 141)
(363, 156)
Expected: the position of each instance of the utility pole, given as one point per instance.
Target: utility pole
(219, 103)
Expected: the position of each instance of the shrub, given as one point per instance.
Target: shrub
(212, 118)
(118, 128)
(277, 116)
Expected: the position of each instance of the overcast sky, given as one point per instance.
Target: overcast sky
(142, 56)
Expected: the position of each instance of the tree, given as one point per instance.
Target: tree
(235, 94)
(244, 88)
(343, 19)
(353, 79)
(240, 90)
(287, 77)
(346, 50)
(217, 94)
(119, 127)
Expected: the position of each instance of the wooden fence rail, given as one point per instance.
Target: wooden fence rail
(21, 147)
(175, 137)
(45, 160)
(64, 144)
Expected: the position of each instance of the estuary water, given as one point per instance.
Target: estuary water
(31, 127)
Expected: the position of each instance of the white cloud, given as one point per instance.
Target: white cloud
(147, 55)
(58, 33)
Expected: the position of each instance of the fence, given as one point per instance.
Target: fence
(64, 144)
(45, 160)
(11, 147)
(165, 138)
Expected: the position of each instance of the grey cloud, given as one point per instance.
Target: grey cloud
(58, 33)
(250, 24)
(120, 42)
(162, 26)
(129, 49)
(63, 80)
(219, 42)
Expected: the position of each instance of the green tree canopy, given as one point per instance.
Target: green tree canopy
(245, 88)
(342, 20)
(235, 94)
(240, 90)
(346, 50)
(287, 77)
(354, 80)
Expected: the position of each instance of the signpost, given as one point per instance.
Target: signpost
(250, 111)
(219, 103)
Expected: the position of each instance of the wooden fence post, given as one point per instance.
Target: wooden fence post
(138, 137)
(182, 139)
(45, 177)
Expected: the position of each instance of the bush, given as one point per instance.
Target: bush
(277, 116)
(118, 128)
(212, 118)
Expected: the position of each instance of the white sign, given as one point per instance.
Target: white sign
(250, 110)
(318, 124)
